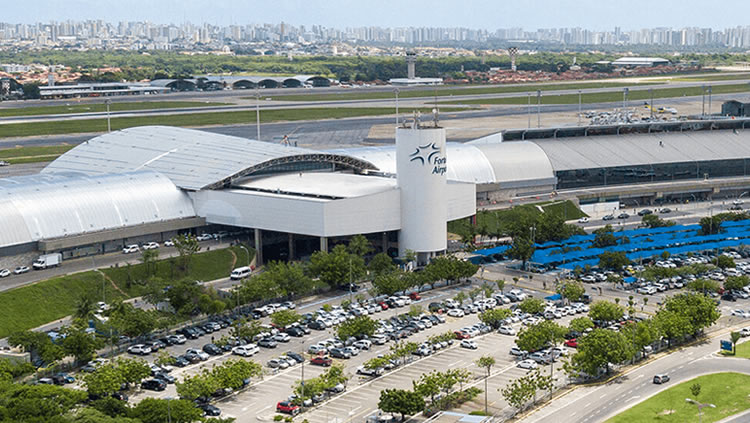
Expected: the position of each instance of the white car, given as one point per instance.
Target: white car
(456, 312)
(527, 364)
(21, 269)
(583, 220)
(169, 243)
(469, 344)
(4, 273)
(517, 352)
(281, 337)
(201, 354)
(151, 245)
(276, 363)
(507, 330)
(646, 290)
(363, 344)
(139, 349)
(745, 332)
(741, 313)
(130, 249)
(245, 350)
(204, 237)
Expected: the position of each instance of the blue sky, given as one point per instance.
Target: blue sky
(486, 14)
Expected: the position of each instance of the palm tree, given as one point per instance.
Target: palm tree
(85, 308)
(486, 362)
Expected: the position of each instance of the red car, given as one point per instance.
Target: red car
(287, 407)
(415, 296)
(461, 335)
(572, 343)
(321, 361)
(383, 305)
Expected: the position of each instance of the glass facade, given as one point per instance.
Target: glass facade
(624, 175)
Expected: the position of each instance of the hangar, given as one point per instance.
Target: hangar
(212, 82)
(148, 183)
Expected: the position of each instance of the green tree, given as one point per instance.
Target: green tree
(149, 259)
(79, 343)
(152, 410)
(735, 337)
(85, 308)
(654, 221)
(233, 373)
(460, 297)
(543, 334)
(415, 310)
(700, 310)
(359, 246)
(106, 380)
(357, 327)
(336, 267)
(131, 321)
(695, 389)
(724, 262)
(580, 324)
(703, 285)
(485, 362)
(518, 392)
(381, 264)
(428, 385)
(606, 311)
(400, 401)
(613, 260)
(599, 348)
(199, 385)
(672, 324)
(500, 284)
(389, 283)
(187, 245)
(494, 317)
(571, 290)
(736, 283)
(285, 318)
(31, 91)
(133, 371)
(604, 237)
(38, 403)
(522, 249)
(531, 305)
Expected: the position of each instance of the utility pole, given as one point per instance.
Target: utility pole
(624, 98)
(579, 108)
(703, 101)
(709, 100)
(651, 91)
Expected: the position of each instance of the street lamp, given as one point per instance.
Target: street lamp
(579, 107)
(538, 108)
(528, 111)
(396, 91)
(624, 98)
(709, 100)
(109, 125)
(257, 111)
(701, 406)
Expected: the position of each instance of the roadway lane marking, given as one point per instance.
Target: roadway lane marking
(603, 395)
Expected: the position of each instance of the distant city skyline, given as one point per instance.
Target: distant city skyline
(475, 14)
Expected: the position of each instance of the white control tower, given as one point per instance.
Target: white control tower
(422, 178)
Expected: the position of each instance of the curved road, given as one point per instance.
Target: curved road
(596, 404)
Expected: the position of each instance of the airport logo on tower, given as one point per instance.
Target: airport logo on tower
(429, 154)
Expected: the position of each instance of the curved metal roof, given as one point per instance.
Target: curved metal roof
(192, 159)
(501, 162)
(48, 206)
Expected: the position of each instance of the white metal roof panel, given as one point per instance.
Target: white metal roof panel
(324, 184)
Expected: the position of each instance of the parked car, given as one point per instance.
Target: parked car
(287, 407)
(527, 364)
(128, 249)
(212, 349)
(364, 371)
(139, 349)
(21, 269)
(321, 361)
(4, 273)
(584, 219)
(154, 385)
(506, 330)
(151, 245)
(468, 344)
(245, 350)
(267, 343)
(209, 410)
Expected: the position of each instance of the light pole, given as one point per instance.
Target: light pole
(703, 101)
(396, 91)
(701, 406)
(579, 107)
(709, 100)
(624, 98)
(109, 124)
(651, 91)
(538, 108)
(257, 112)
(528, 110)
(248, 254)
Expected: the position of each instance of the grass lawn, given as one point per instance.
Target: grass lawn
(728, 391)
(45, 301)
(712, 77)
(450, 91)
(101, 107)
(742, 350)
(194, 120)
(498, 221)
(608, 97)
(18, 155)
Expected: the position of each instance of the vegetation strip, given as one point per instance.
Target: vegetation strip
(89, 107)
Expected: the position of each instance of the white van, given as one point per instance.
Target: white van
(240, 273)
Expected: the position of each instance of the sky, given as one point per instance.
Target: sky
(477, 14)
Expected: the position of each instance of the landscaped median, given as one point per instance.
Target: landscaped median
(98, 107)
(194, 120)
(34, 305)
(18, 155)
(727, 391)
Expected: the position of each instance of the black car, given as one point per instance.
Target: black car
(212, 349)
(154, 385)
(209, 410)
(62, 379)
(435, 307)
(727, 296)
(181, 361)
(192, 357)
(296, 332)
(644, 212)
(608, 217)
(166, 377)
(316, 325)
(296, 357)
(623, 215)
(120, 396)
(189, 333)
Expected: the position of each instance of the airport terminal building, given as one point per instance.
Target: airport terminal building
(149, 183)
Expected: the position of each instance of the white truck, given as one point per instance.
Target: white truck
(47, 260)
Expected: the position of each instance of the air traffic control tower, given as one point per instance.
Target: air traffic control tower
(421, 170)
